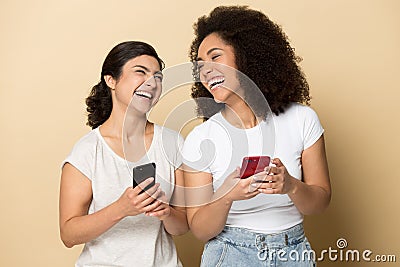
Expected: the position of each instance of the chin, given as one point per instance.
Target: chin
(139, 109)
(219, 101)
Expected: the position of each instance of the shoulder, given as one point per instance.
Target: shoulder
(167, 134)
(87, 142)
(85, 147)
(203, 129)
(304, 111)
(307, 122)
(83, 153)
(169, 140)
(299, 112)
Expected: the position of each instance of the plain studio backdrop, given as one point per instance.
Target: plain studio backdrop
(51, 54)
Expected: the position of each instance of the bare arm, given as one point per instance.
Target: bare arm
(76, 225)
(313, 194)
(207, 211)
(173, 215)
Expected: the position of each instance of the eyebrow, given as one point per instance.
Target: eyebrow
(147, 69)
(159, 73)
(209, 52)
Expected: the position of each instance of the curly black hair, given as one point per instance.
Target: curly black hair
(99, 101)
(262, 52)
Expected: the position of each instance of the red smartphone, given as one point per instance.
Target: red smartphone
(253, 165)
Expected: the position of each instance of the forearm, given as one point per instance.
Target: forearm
(309, 199)
(82, 229)
(176, 222)
(210, 219)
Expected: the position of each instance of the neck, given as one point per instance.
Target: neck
(240, 115)
(135, 125)
(122, 124)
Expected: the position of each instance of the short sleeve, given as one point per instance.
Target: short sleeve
(178, 158)
(197, 151)
(311, 126)
(170, 143)
(82, 157)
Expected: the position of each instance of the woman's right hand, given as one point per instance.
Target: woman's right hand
(236, 188)
(132, 202)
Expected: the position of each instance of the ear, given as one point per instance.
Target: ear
(110, 81)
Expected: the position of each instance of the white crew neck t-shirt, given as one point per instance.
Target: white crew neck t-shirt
(135, 240)
(218, 148)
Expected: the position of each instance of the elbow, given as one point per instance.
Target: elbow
(68, 245)
(203, 236)
(326, 201)
(179, 232)
(183, 230)
(67, 241)
(318, 208)
(204, 239)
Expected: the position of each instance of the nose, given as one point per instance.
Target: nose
(207, 67)
(205, 70)
(151, 82)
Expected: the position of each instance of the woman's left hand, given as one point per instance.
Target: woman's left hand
(277, 181)
(162, 211)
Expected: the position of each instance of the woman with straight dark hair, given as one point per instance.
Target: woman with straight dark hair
(120, 224)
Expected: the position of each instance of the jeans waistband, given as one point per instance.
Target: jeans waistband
(246, 238)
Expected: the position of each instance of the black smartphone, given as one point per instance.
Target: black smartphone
(142, 172)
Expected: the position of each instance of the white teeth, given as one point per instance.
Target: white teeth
(214, 82)
(144, 94)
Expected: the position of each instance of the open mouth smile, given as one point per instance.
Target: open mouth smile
(143, 94)
(215, 82)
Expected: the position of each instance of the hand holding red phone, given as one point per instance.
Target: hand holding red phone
(277, 181)
(236, 188)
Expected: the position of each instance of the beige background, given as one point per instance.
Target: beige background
(51, 54)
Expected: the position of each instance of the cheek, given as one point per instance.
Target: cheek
(157, 95)
(205, 85)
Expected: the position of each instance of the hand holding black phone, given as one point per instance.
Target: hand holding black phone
(142, 172)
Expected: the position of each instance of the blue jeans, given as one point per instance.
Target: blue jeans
(240, 247)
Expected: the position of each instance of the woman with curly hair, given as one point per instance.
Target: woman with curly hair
(254, 221)
(119, 224)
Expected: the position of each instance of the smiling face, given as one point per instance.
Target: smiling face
(217, 68)
(139, 85)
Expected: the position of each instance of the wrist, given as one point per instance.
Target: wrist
(168, 215)
(294, 186)
(226, 199)
(224, 194)
(117, 212)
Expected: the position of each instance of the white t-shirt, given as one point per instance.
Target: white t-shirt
(135, 240)
(218, 148)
